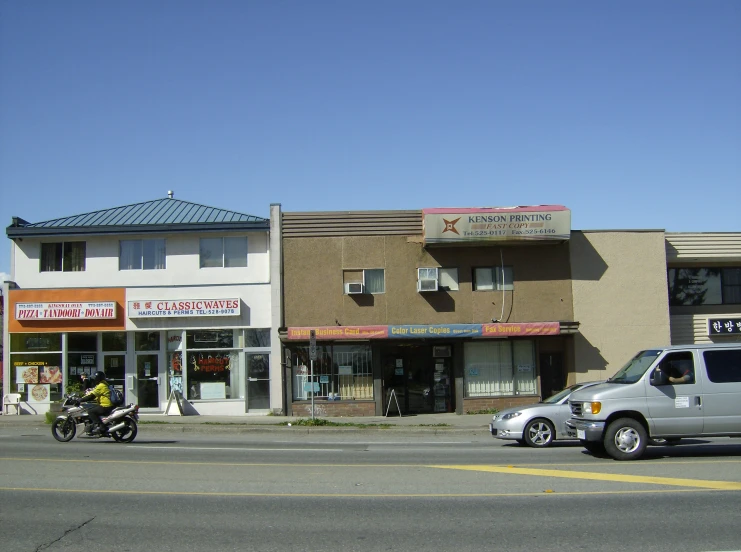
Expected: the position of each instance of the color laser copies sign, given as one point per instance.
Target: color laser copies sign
(66, 311)
(173, 308)
(434, 330)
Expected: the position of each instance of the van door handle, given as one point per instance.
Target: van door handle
(698, 401)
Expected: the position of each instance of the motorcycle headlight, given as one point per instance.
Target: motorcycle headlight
(511, 415)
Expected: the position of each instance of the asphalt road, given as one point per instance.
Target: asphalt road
(294, 492)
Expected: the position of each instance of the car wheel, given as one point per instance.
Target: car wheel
(626, 439)
(539, 433)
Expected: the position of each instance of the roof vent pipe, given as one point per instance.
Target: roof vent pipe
(170, 194)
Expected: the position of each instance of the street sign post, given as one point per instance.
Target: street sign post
(312, 358)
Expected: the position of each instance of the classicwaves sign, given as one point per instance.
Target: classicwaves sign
(493, 224)
(66, 311)
(418, 331)
(169, 308)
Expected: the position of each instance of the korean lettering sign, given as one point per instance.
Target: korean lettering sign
(724, 326)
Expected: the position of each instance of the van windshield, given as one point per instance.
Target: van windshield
(636, 367)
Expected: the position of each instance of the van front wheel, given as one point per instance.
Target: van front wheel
(626, 439)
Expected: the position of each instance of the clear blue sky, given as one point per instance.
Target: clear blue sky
(628, 113)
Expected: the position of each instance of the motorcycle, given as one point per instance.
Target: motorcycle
(120, 424)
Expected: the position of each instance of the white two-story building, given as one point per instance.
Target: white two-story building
(178, 303)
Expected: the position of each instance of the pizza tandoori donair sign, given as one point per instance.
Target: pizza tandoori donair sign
(66, 311)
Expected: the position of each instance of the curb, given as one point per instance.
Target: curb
(235, 428)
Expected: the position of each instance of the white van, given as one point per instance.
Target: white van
(661, 395)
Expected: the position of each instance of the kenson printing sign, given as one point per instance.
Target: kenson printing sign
(497, 224)
(66, 311)
(171, 308)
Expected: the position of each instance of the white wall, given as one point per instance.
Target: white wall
(101, 268)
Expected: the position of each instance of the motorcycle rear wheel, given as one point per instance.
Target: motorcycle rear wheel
(126, 434)
(63, 429)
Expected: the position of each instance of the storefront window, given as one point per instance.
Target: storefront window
(500, 368)
(37, 377)
(175, 361)
(82, 356)
(209, 339)
(341, 372)
(34, 342)
(82, 342)
(212, 365)
(114, 341)
(259, 337)
(147, 341)
(213, 375)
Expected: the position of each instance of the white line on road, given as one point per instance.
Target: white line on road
(243, 449)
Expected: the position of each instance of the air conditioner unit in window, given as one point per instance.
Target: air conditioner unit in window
(427, 284)
(354, 288)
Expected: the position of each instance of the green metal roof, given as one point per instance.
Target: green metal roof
(159, 215)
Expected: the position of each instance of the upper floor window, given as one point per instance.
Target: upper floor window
(493, 278)
(372, 279)
(443, 279)
(141, 254)
(62, 257)
(704, 286)
(224, 252)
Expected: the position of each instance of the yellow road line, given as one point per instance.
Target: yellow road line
(621, 478)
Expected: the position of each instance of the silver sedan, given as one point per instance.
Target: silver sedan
(539, 424)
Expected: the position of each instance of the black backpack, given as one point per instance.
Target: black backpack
(117, 398)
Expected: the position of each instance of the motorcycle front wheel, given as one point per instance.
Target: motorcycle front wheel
(63, 429)
(125, 434)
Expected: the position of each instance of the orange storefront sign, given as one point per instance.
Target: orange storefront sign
(57, 297)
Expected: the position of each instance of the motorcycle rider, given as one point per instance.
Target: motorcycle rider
(102, 397)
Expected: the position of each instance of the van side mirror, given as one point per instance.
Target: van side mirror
(658, 377)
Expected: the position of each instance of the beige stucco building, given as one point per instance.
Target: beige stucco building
(470, 324)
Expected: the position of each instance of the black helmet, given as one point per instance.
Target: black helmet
(98, 377)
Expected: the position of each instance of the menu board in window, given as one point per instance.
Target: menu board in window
(26, 374)
(213, 390)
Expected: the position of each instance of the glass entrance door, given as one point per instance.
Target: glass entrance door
(258, 381)
(147, 377)
(409, 371)
(114, 366)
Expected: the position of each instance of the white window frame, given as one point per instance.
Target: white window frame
(496, 278)
(142, 256)
(224, 260)
(427, 273)
(62, 245)
(448, 274)
(365, 281)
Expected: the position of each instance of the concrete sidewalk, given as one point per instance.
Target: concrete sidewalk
(424, 423)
